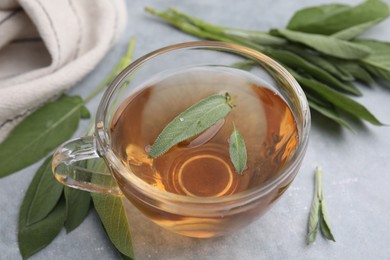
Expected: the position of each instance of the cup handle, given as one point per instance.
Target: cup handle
(77, 164)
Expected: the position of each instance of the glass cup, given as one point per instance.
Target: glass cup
(74, 161)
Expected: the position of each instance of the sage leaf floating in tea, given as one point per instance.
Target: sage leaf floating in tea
(191, 122)
(237, 151)
(318, 218)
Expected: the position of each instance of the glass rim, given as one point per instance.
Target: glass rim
(104, 147)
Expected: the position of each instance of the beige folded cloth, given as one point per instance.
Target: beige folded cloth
(46, 46)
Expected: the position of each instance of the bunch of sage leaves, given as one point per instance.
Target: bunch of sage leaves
(320, 49)
(48, 205)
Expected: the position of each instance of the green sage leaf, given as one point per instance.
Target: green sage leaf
(352, 32)
(337, 99)
(191, 122)
(112, 213)
(332, 18)
(44, 192)
(355, 70)
(320, 61)
(314, 220)
(77, 207)
(379, 62)
(237, 151)
(292, 60)
(327, 45)
(329, 113)
(39, 133)
(324, 224)
(318, 218)
(315, 19)
(33, 236)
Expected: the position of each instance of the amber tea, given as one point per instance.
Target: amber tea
(204, 181)
(201, 166)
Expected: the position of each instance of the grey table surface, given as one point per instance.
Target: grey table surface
(356, 166)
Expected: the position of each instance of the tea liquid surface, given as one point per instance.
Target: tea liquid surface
(201, 166)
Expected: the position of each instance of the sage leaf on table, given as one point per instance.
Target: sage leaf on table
(44, 192)
(42, 213)
(321, 62)
(327, 45)
(237, 151)
(40, 132)
(329, 113)
(379, 62)
(337, 99)
(332, 18)
(318, 218)
(112, 214)
(77, 207)
(292, 60)
(355, 70)
(191, 122)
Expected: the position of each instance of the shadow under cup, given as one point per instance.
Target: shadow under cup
(88, 163)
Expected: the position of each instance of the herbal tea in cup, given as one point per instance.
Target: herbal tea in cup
(199, 145)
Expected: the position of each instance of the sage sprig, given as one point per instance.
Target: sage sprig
(318, 218)
(318, 45)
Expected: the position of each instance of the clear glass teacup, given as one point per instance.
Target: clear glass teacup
(178, 191)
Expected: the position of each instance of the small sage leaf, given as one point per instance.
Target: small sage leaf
(43, 194)
(77, 207)
(237, 151)
(327, 45)
(324, 224)
(314, 221)
(40, 132)
(191, 122)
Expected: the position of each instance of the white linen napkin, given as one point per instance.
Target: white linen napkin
(46, 46)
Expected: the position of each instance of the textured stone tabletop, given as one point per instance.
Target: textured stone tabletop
(356, 166)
